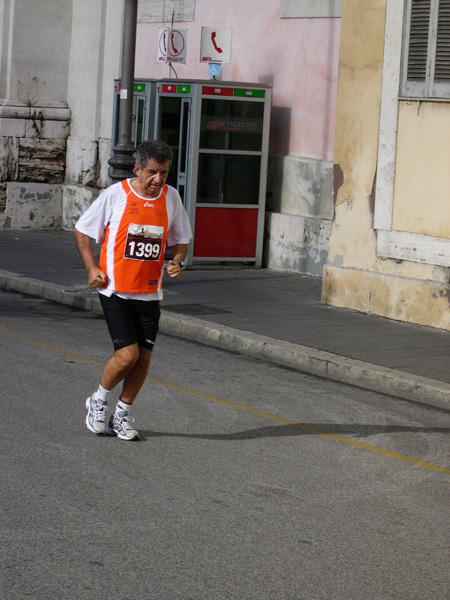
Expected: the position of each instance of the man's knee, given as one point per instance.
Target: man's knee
(145, 356)
(127, 357)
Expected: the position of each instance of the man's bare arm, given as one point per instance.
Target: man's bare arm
(96, 277)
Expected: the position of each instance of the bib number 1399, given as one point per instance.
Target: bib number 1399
(143, 250)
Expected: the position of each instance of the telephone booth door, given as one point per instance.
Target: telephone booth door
(231, 173)
(219, 135)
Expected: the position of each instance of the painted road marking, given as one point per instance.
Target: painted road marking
(184, 390)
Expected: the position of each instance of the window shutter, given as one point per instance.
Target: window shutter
(418, 40)
(442, 68)
(426, 58)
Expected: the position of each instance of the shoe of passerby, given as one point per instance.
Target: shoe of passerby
(119, 425)
(96, 415)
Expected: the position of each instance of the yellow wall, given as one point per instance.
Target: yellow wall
(422, 174)
(359, 91)
(353, 241)
(355, 276)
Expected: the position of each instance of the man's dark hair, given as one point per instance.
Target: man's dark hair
(155, 150)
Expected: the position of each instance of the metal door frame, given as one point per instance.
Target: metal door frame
(189, 175)
(193, 149)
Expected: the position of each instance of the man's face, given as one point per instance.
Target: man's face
(152, 177)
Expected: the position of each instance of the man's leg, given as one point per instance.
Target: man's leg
(119, 423)
(119, 367)
(135, 378)
(127, 321)
(130, 364)
(116, 370)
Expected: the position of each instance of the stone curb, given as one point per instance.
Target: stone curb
(294, 356)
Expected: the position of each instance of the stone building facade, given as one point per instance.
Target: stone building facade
(358, 177)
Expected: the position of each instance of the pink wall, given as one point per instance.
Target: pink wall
(297, 57)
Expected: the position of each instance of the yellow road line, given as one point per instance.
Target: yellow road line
(332, 436)
(5, 329)
(53, 348)
(253, 411)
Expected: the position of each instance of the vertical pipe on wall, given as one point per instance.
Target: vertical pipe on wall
(122, 161)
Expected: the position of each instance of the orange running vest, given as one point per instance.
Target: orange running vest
(132, 252)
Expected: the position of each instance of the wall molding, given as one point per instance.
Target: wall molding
(414, 247)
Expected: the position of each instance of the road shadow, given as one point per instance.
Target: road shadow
(276, 431)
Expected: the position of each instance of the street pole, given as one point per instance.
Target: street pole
(122, 161)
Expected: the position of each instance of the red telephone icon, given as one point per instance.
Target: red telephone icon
(213, 39)
(174, 48)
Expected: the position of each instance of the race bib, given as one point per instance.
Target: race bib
(144, 242)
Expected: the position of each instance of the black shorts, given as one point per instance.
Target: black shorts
(131, 321)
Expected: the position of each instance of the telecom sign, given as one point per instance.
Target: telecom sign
(216, 45)
(172, 45)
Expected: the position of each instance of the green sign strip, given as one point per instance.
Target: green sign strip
(249, 93)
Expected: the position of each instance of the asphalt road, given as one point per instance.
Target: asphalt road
(251, 482)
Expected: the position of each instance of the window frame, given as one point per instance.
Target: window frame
(394, 244)
(428, 87)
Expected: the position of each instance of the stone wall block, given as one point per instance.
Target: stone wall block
(300, 186)
(33, 128)
(297, 244)
(3, 192)
(41, 160)
(82, 157)
(9, 158)
(53, 130)
(393, 297)
(56, 130)
(35, 205)
(76, 199)
(12, 127)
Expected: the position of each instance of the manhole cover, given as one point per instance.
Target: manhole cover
(194, 309)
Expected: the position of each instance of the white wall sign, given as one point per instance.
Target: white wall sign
(172, 45)
(165, 11)
(216, 45)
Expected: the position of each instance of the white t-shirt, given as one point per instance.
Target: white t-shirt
(106, 209)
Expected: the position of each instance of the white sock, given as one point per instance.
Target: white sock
(122, 407)
(102, 395)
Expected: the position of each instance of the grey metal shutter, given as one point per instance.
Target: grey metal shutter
(442, 68)
(426, 56)
(418, 40)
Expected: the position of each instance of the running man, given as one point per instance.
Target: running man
(135, 220)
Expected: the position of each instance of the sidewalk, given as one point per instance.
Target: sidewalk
(265, 314)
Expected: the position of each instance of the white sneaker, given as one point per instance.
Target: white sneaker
(119, 425)
(96, 416)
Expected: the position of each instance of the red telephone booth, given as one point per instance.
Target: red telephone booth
(219, 132)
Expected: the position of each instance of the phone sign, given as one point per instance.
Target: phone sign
(172, 45)
(216, 45)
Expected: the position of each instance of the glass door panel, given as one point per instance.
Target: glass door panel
(183, 146)
(231, 125)
(228, 178)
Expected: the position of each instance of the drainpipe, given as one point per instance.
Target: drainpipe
(122, 161)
